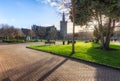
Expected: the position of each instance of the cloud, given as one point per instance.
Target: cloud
(6, 21)
(2, 21)
(43, 1)
(62, 5)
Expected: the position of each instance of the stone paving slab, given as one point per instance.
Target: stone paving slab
(17, 63)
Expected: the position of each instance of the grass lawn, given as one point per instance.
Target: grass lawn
(86, 51)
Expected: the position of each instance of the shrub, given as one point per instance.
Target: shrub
(13, 41)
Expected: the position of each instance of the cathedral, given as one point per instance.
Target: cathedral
(63, 27)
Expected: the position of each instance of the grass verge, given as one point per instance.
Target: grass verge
(86, 51)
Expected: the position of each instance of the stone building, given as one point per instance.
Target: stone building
(47, 31)
(26, 33)
(116, 32)
(63, 27)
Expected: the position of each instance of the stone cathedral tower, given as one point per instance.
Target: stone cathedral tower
(63, 27)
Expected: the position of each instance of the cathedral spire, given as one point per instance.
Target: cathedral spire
(63, 27)
(63, 18)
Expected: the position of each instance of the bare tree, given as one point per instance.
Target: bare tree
(67, 5)
(3, 32)
(18, 33)
(31, 33)
(9, 32)
(52, 33)
(41, 32)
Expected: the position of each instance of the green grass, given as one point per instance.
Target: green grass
(86, 51)
(13, 40)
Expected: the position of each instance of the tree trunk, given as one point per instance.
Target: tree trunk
(102, 39)
(73, 16)
(105, 42)
(96, 40)
(108, 35)
(102, 42)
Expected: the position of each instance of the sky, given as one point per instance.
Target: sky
(25, 13)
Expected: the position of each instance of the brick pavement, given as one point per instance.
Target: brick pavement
(18, 63)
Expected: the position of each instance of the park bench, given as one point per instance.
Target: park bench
(50, 42)
(86, 41)
(70, 42)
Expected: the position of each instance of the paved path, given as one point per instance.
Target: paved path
(18, 63)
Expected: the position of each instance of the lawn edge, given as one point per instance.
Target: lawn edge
(76, 59)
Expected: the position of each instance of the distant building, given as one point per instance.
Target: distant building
(26, 33)
(63, 27)
(81, 36)
(47, 30)
(116, 34)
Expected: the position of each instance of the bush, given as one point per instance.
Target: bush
(20, 41)
(32, 41)
(13, 41)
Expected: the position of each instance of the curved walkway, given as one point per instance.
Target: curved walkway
(17, 63)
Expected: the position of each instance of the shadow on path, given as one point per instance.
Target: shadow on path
(104, 72)
(44, 67)
(52, 70)
(6, 79)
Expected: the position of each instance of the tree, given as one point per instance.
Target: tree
(3, 31)
(41, 32)
(2, 35)
(9, 32)
(67, 5)
(19, 34)
(52, 33)
(110, 10)
(103, 11)
(31, 33)
(96, 34)
(73, 19)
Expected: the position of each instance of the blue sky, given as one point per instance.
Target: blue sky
(24, 13)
